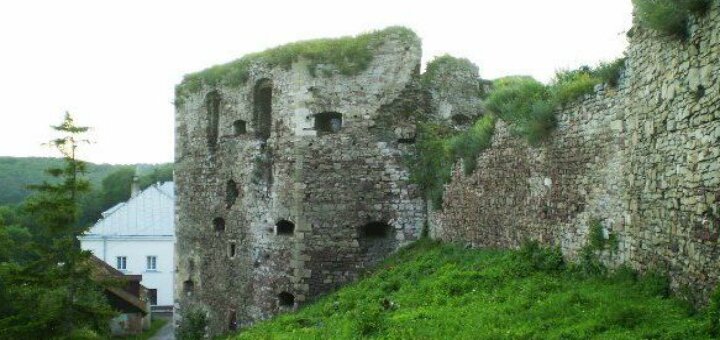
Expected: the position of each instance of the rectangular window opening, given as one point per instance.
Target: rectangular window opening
(152, 263)
(121, 263)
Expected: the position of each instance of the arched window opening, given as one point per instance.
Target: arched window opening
(212, 106)
(285, 227)
(231, 193)
(218, 224)
(328, 122)
(286, 299)
(188, 286)
(239, 127)
(262, 108)
(375, 230)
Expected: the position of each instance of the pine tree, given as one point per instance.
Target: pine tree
(54, 295)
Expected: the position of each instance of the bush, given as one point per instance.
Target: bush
(192, 325)
(609, 73)
(540, 258)
(569, 86)
(431, 165)
(526, 105)
(469, 144)
(669, 16)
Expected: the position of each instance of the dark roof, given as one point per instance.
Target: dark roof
(123, 295)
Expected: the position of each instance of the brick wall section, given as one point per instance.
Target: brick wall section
(643, 159)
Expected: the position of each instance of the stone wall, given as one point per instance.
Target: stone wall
(643, 159)
(273, 208)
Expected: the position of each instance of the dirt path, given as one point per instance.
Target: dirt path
(165, 333)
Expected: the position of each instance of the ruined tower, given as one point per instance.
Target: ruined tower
(290, 173)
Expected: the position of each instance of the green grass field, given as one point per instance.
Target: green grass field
(439, 291)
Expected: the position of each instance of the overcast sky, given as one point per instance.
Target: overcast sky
(114, 64)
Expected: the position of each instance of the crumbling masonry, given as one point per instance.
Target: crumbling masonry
(292, 183)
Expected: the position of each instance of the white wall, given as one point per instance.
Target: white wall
(136, 250)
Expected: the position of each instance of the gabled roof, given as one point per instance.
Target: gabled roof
(150, 213)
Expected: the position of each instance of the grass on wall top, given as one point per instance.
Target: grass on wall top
(347, 55)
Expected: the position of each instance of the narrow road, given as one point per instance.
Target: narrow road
(165, 333)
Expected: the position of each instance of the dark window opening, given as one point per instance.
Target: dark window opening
(375, 230)
(460, 119)
(152, 296)
(231, 193)
(212, 105)
(286, 299)
(188, 286)
(285, 227)
(262, 108)
(219, 224)
(232, 249)
(328, 122)
(239, 127)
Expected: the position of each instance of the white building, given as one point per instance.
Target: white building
(138, 237)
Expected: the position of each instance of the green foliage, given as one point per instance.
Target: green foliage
(439, 291)
(469, 144)
(16, 173)
(439, 66)
(669, 17)
(431, 165)
(346, 55)
(569, 86)
(539, 258)
(192, 325)
(597, 239)
(609, 73)
(526, 105)
(713, 313)
(46, 289)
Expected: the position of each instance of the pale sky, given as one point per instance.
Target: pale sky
(114, 64)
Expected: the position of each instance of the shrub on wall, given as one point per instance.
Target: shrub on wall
(469, 144)
(669, 16)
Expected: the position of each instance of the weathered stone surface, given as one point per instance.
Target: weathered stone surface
(328, 183)
(642, 159)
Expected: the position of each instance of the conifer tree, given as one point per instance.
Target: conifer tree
(54, 295)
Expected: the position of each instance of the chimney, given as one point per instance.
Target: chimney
(135, 187)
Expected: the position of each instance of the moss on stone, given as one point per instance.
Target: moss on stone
(345, 55)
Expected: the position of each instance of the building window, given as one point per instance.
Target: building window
(151, 263)
(152, 296)
(121, 262)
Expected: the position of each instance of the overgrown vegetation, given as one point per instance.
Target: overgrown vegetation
(525, 104)
(438, 149)
(46, 285)
(669, 17)
(192, 325)
(437, 68)
(345, 55)
(440, 291)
